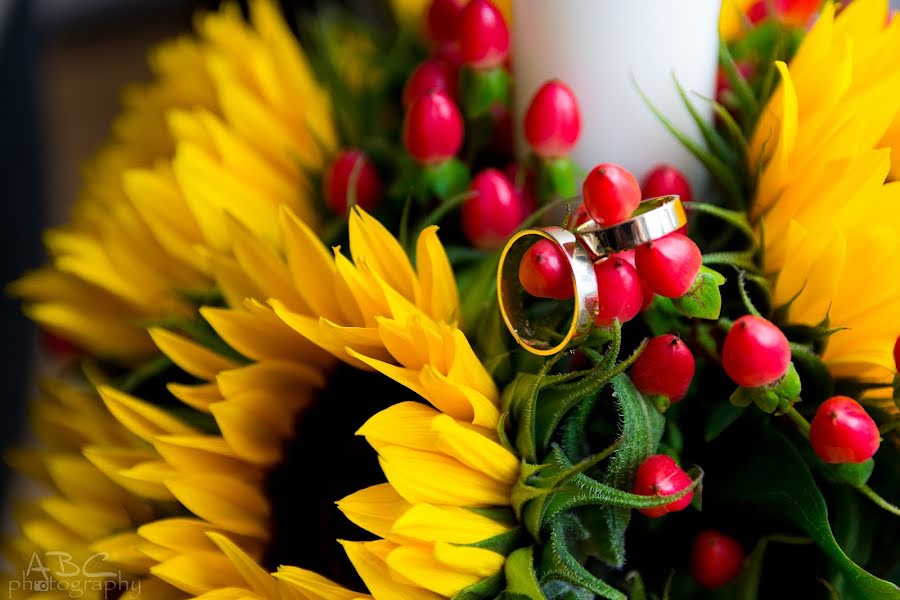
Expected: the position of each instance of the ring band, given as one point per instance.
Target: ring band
(654, 218)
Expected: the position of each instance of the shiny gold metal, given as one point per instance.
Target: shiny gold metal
(655, 218)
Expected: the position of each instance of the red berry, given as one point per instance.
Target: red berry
(755, 352)
(433, 128)
(553, 120)
(57, 345)
(348, 164)
(658, 475)
(494, 212)
(483, 35)
(620, 293)
(758, 11)
(843, 432)
(545, 273)
(897, 354)
(442, 20)
(666, 180)
(665, 367)
(796, 12)
(628, 256)
(669, 265)
(433, 74)
(579, 217)
(610, 194)
(716, 558)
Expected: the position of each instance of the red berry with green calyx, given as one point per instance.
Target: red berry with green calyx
(494, 211)
(433, 128)
(659, 475)
(553, 120)
(628, 256)
(755, 352)
(351, 176)
(483, 35)
(716, 559)
(666, 180)
(664, 368)
(442, 21)
(432, 75)
(611, 194)
(544, 272)
(843, 432)
(669, 265)
(619, 291)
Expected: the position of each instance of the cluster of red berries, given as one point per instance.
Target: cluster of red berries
(756, 353)
(627, 280)
(797, 13)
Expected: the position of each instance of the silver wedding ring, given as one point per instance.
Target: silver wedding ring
(544, 328)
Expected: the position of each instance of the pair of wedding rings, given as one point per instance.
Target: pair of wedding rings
(588, 243)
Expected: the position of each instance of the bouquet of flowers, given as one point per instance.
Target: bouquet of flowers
(322, 334)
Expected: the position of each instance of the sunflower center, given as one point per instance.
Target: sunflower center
(324, 462)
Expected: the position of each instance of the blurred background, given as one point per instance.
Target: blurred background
(63, 64)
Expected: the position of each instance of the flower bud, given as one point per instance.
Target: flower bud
(494, 212)
(843, 432)
(755, 353)
(658, 475)
(351, 177)
(553, 120)
(433, 128)
(669, 265)
(433, 74)
(483, 35)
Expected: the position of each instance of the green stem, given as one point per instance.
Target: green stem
(798, 419)
(443, 209)
(742, 260)
(537, 215)
(736, 219)
(145, 372)
(874, 497)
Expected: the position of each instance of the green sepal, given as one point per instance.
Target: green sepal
(778, 396)
(484, 89)
(504, 543)
(447, 179)
(559, 564)
(521, 579)
(561, 176)
(853, 474)
(486, 589)
(703, 300)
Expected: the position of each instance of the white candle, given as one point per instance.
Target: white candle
(600, 48)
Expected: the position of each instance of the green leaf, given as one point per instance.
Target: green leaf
(721, 416)
(775, 477)
(565, 567)
(636, 590)
(703, 300)
(642, 429)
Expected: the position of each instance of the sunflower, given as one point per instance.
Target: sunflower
(435, 538)
(828, 222)
(366, 310)
(233, 124)
(77, 510)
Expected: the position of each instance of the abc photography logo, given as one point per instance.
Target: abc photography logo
(59, 572)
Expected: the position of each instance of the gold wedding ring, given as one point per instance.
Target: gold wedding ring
(545, 327)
